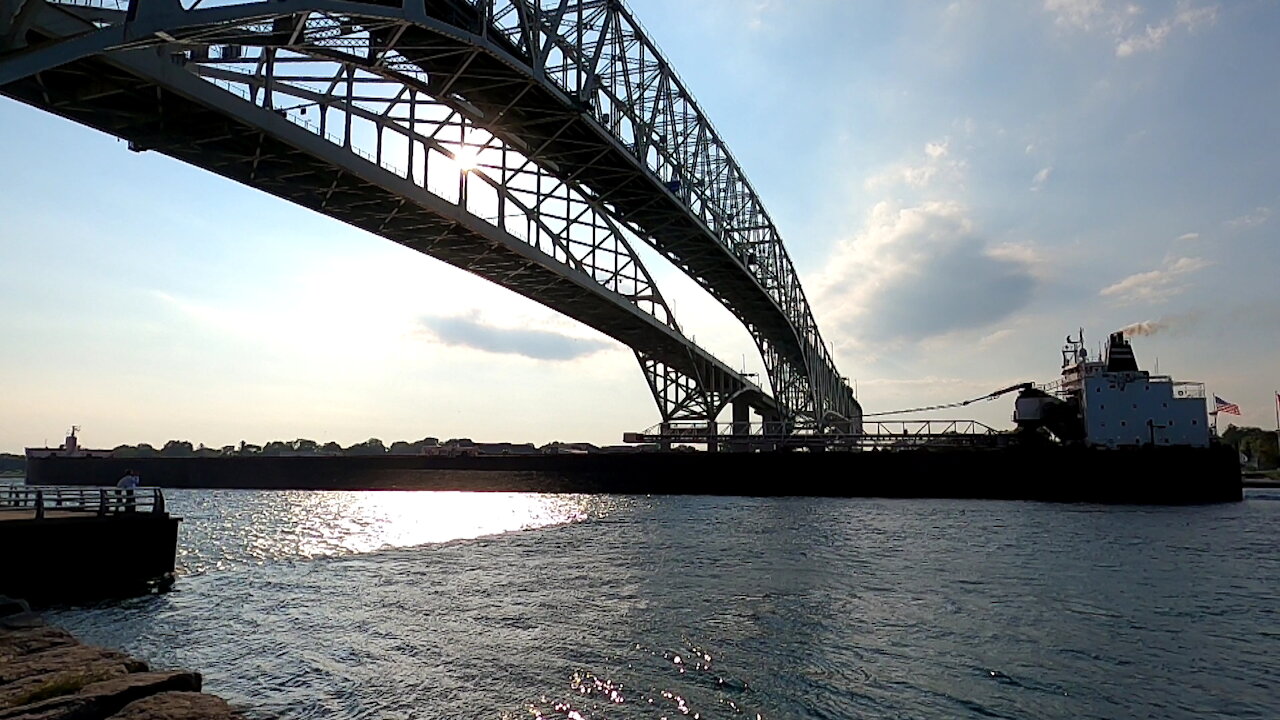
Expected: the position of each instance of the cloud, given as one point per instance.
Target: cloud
(1042, 177)
(757, 12)
(919, 272)
(1155, 285)
(1080, 14)
(1119, 21)
(1092, 15)
(1154, 36)
(469, 332)
(936, 164)
(995, 338)
(1189, 236)
(1252, 220)
(1151, 39)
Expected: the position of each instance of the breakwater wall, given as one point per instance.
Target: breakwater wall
(1176, 475)
(47, 673)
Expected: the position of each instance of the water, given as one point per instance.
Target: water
(420, 605)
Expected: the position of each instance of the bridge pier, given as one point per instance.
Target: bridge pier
(740, 434)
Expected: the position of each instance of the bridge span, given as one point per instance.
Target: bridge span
(530, 142)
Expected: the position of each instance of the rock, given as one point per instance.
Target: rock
(178, 706)
(46, 674)
(32, 640)
(20, 621)
(63, 708)
(11, 606)
(102, 699)
(81, 659)
(61, 670)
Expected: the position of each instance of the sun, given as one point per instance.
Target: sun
(467, 158)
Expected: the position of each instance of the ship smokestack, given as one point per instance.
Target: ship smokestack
(1120, 357)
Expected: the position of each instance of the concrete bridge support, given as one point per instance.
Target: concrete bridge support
(740, 429)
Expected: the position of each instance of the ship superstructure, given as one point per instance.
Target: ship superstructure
(1108, 401)
(69, 448)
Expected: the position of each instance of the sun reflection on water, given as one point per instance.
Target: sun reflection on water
(224, 529)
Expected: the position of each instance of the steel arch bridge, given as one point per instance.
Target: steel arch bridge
(530, 142)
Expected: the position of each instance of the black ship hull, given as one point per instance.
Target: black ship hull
(1174, 475)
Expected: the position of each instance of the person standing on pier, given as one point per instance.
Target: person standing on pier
(127, 484)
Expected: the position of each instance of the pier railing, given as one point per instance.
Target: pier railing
(45, 499)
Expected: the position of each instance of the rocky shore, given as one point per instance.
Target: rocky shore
(47, 674)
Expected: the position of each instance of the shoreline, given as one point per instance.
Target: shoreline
(46, 672)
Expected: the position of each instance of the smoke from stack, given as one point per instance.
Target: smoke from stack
(1148, 328)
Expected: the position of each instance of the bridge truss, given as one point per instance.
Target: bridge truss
(527, 142)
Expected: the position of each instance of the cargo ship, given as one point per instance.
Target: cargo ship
(1104, 431)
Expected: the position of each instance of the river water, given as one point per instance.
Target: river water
(452, 605)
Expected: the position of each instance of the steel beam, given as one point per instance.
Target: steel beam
(592, 115)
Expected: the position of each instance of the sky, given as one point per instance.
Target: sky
(960, 185)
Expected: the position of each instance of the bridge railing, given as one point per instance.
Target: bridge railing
(80, 499)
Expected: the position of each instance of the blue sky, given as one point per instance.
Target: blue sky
(960, 185)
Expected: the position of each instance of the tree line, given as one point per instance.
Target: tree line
(1260, 448)
(12, 464)
(301, 446)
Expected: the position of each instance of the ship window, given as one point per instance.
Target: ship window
(1135, 406)
(1123, 424)
(1195, 422)
(1171, 423)
(1165, 404)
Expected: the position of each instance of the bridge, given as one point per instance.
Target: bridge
(530, 142)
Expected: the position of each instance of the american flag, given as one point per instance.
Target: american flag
(1222, 406)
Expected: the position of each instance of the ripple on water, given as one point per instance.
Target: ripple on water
(402, 605)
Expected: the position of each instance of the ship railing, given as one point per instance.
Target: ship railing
(865, 435)
(1187, 389)
(42, 500)
(928, 427)
(1053, 387)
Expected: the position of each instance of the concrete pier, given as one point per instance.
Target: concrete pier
(66, 545)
